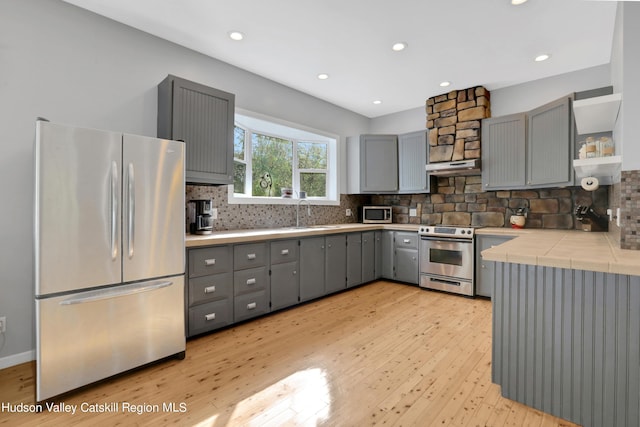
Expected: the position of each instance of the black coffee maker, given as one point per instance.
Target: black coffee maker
(200, 216)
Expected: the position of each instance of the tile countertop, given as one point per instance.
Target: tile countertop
(255, 235)
(573, 249)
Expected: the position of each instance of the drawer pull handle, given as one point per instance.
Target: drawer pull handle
(209, 289)
(251, 305)
(211, 261)
(407, 240)
(251, 256)
(211, 316)
(251, 281)
(284, 252)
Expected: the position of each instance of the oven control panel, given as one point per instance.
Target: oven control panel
(446, 231)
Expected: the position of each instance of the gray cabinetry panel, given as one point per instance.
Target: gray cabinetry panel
(312, 268)
(567, 342)
(284, 285)
(335, 263)
(284, 251)
(210, 316)
(407, 268)
(549, 147)
(354, 259)
(203, 117)
(378, 163)
(378, 250)
(249, 255)
(368, 256)
(412, 158)
(387, 254)
(206, 261)
(250, 280)
(504, 151)
(250, 305)
(485, 270)
(210, 288)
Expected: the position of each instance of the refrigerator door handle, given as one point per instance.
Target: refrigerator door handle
(114, 211)
(103, 294)
(131, 185)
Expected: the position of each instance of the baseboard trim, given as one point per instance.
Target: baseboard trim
(16, 359)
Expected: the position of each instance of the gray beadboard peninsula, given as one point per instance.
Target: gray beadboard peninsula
(566, 325)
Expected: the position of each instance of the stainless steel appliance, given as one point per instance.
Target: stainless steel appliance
(201, 216)
(447, 258)
(109, 254)
(376, 214)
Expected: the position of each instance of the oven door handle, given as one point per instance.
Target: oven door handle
(447, 239)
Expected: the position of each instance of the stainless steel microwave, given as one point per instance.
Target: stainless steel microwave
(376, 214)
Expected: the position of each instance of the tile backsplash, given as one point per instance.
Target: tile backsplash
(234, 217)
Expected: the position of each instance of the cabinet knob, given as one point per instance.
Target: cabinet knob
(251, 256)
(251, 305)
(211, 316)
(251, 281)
(295, 272)
(483, 266)
(211, 261)
(329, 245)
(284, 252)
(209, 289)
(322, 247)
(407, 240)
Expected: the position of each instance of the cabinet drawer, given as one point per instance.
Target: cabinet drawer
(406, 240)
(249, 256)
(210, 316)
(250, 305)
(206, 261)
(251, 280)
(210, 288)
(284, 251)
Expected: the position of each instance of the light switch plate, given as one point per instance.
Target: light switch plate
(413, 212)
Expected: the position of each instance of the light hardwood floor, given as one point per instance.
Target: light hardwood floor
(382, 354)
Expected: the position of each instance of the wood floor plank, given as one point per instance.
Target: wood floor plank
(381, 354)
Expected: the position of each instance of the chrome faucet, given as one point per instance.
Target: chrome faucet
(298, 211)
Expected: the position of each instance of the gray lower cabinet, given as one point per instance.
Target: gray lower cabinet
(335, 263)
(284, 275)
(209, 289)
(406, 259)
(250, 281)
(312, 268)
(202, 117)
(378, 251)
(354, 259)
(486, 270)
(387, 254)
(368, 256)
(529, 150)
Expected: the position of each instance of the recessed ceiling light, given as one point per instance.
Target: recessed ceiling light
(236, 35)
(399, 46)
(323, 76)
(445, 84)
(517, 2)
(377, 102)
(542, 57)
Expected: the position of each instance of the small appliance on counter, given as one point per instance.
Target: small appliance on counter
(519, 218)
(200, 214)
(376, 214)
(591, 221)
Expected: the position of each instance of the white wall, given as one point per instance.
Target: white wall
(71, 66)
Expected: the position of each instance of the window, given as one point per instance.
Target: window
(271, 158)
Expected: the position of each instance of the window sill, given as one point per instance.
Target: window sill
(235, 199)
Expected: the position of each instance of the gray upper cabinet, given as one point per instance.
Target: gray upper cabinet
(549, 149)
(412, 158)
(203, 117)
(378, 163)
(529, 150)
(504, 151)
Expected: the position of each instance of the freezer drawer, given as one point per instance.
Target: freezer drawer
(85, 337)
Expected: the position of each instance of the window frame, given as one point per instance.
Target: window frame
(332, 170)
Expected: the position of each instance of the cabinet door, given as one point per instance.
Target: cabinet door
(378, 251)
(387, 254)
(412, 158)
(368, 256)
(549, 145)
(203, 117)
(503, 152)
(312, 268)
(378, 163)
(354, 259)
(335, 263)
(407, 265)
(485, 270)
(284, 285)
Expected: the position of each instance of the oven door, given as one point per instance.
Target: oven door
(447, 257)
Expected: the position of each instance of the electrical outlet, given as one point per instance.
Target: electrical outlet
(413, 212)
(214, 213)
(348, 212)
(3, 324)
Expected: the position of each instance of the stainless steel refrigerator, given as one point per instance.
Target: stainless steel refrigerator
(109, 254)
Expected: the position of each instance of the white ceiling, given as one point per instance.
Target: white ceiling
(468, 42)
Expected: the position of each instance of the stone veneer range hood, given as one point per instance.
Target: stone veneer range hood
(454, 121)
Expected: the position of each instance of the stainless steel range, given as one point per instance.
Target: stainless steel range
(447, 258)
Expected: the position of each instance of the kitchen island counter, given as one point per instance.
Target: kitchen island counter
(262, 234)
(570, 249)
